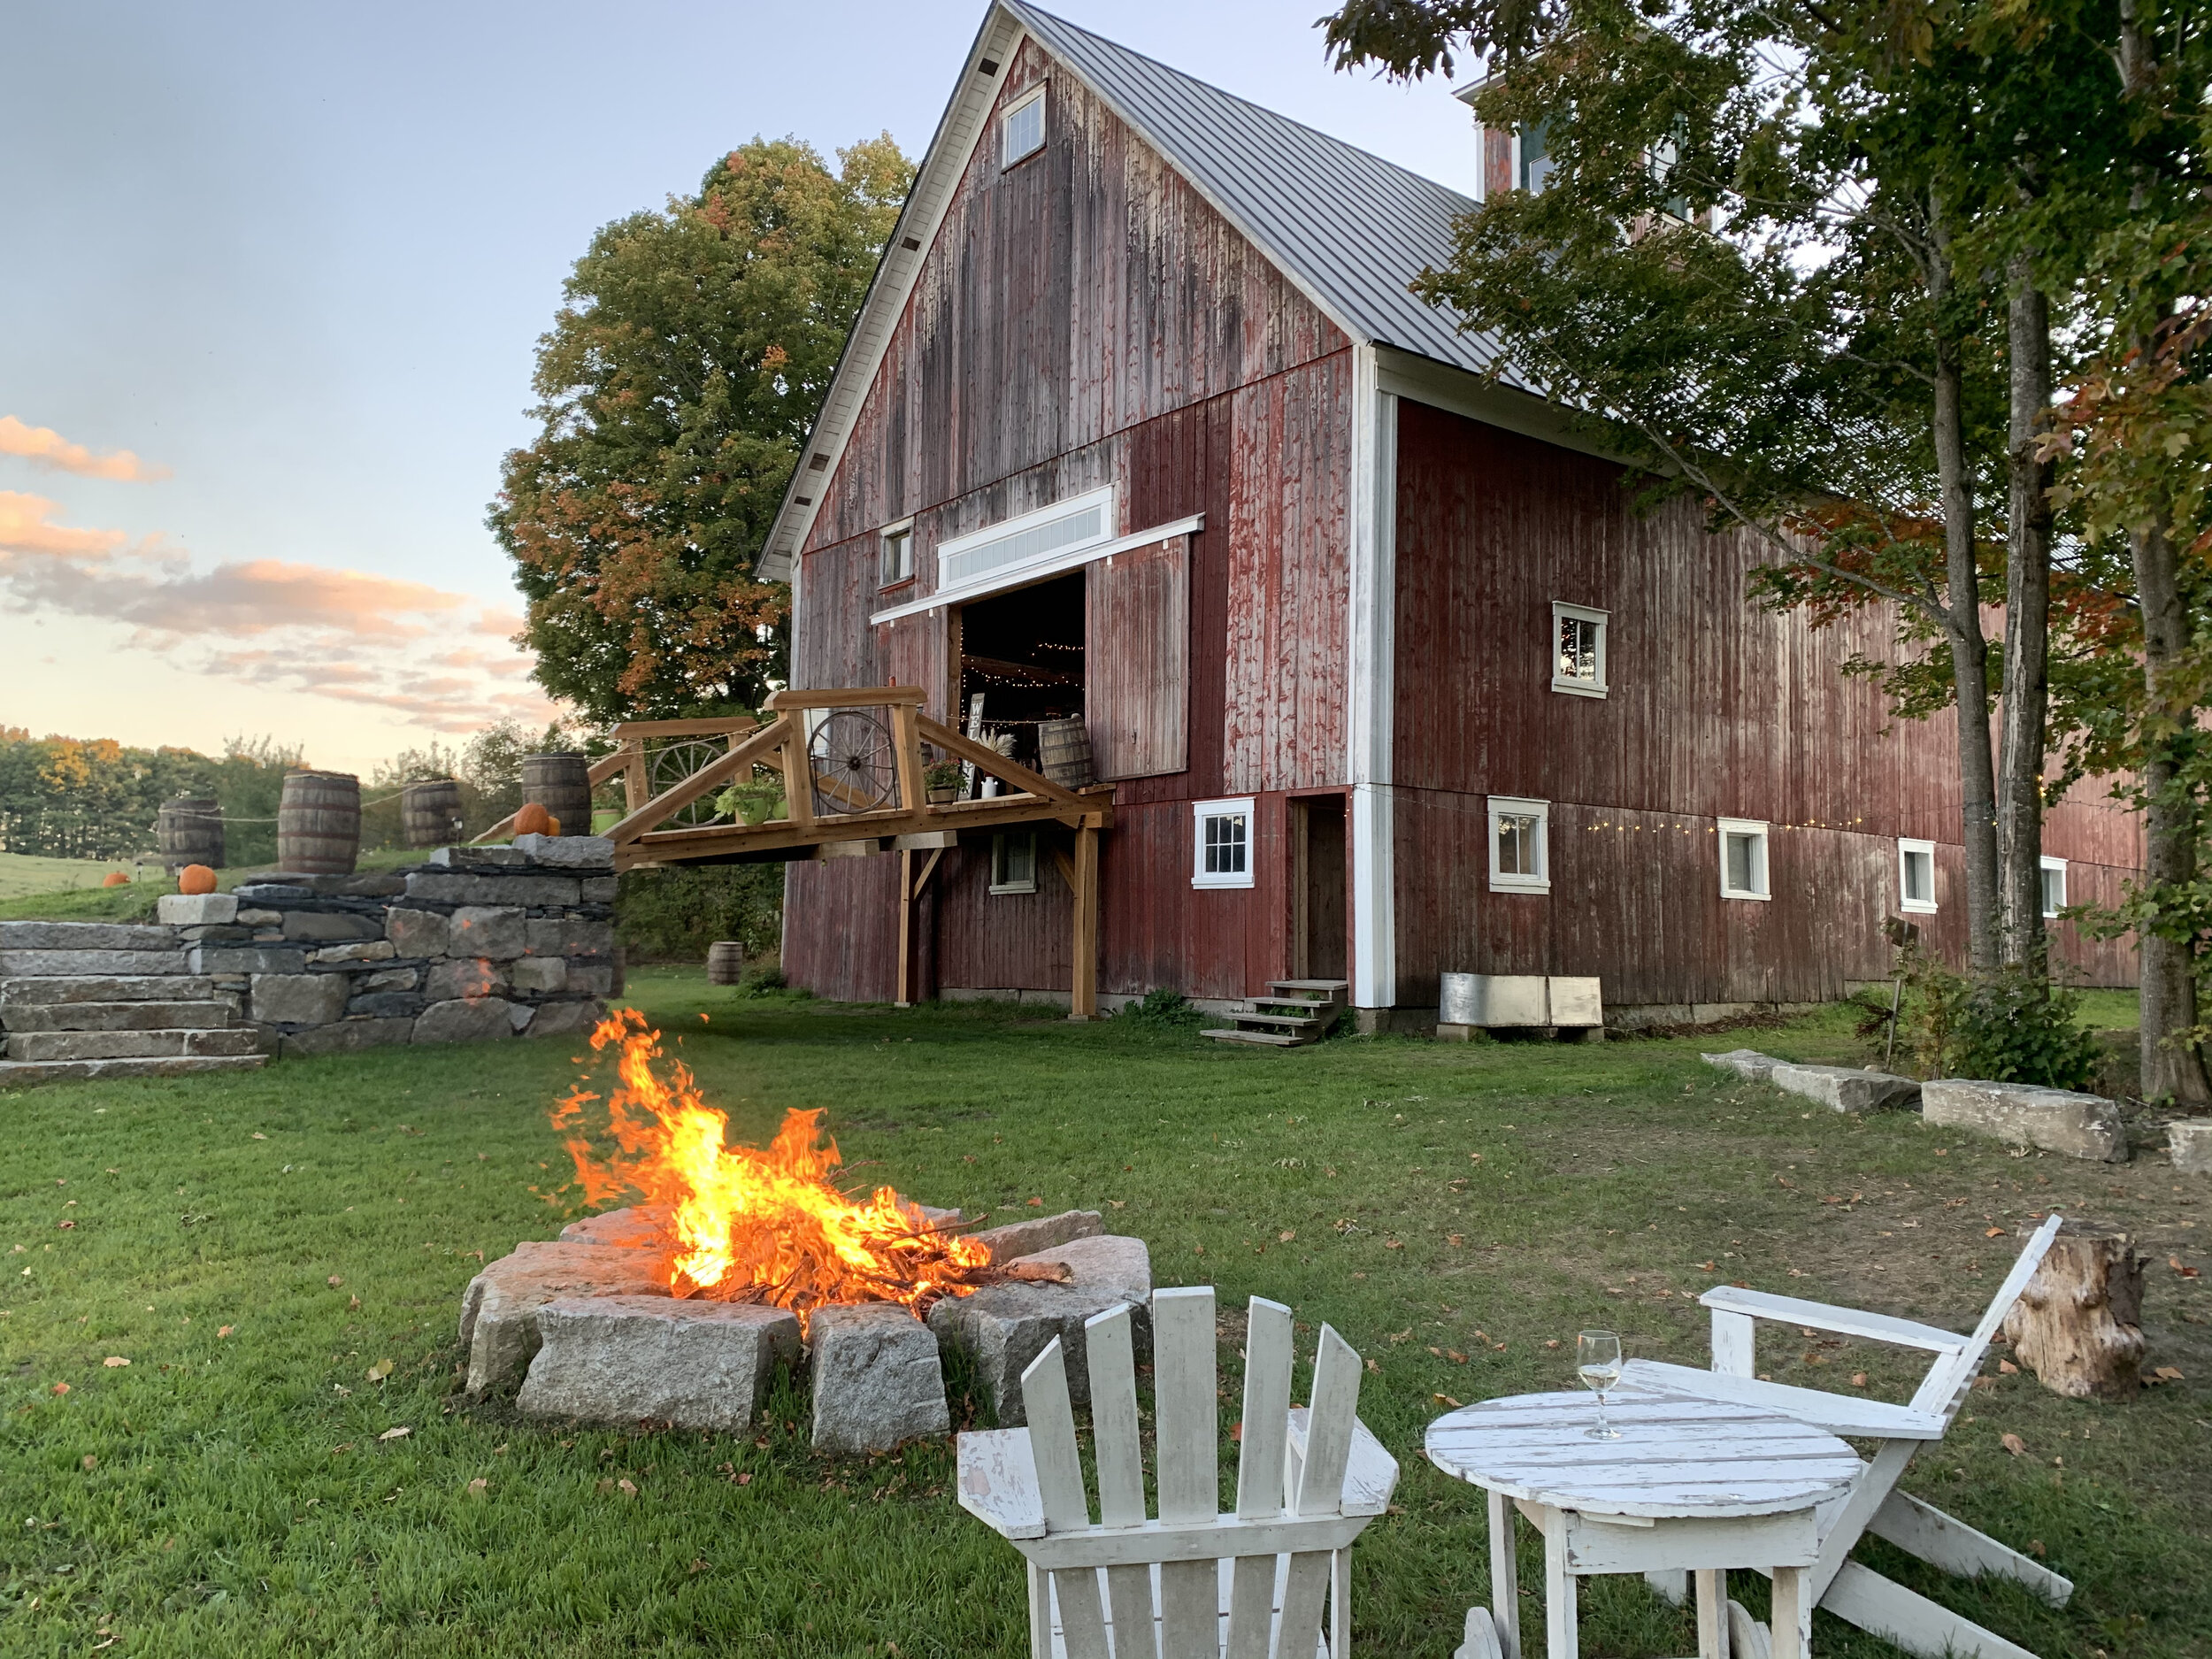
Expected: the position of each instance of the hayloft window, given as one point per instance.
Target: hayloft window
(897, 562)
(1520, 845)
(1022, 129)
(1014, 863)
(1916, 877)
(1743, 859)
(1577, 650)
(1221, 851)
(2053, 885)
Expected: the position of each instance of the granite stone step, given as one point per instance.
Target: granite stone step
(20, 993)
(84, 936)
(195, 1016)
(129, 1044)
(23, 1073)
(73, 963)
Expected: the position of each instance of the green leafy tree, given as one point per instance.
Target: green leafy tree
(675, 389)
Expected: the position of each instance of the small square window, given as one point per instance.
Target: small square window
(1520, 849)
(2053, 885)
(1014, 863)
(897, 563)
(1577, 650)
(1221, 854)
(1022, 129)
(1916, 877)
(1743, 859)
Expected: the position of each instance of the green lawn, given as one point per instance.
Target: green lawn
(235, 1494)
(23, 876)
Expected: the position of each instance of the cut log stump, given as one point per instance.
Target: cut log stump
(2079, 1325)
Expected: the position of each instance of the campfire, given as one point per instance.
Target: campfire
(751, 1224)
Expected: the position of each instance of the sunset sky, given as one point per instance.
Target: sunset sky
(274, 277)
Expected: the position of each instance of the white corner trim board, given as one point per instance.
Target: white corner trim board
(1004, 578)
(1370, 724)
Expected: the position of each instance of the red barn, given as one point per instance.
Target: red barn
(1139, 424)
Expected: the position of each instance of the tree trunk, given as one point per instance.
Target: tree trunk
(2079, 1325)
(2027, 628)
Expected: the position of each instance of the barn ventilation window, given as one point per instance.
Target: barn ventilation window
(1014, 863)
(1022, 129)
(1033, 538)
(1520, 845)
(1916, 877)
(2053, 885)
(1221, 853)
(1578, 663)
(898, 563)
(1743, 859)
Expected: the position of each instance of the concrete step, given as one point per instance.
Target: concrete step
(85, 936)
(208, 1016)
(105, 988)
(129, 1044)
(1266, 1039)
(22, 1074)
(72, 963)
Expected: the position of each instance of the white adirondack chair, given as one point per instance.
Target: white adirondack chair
(1192, 1583)
(1845, 1587)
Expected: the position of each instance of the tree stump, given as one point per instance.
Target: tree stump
(2079, 1325)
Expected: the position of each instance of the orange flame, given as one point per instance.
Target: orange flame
(751, 1223)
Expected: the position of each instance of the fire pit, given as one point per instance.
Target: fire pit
(737, 1260)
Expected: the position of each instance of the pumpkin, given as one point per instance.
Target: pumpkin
(532, 821)
(552, 825)
(195, 878)
(116, 879)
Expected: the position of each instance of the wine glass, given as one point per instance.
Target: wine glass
(1598, 1362)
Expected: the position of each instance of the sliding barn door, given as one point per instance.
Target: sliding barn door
(1136, 651)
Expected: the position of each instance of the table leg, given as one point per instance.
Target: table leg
(1712, 1613)
(1561, 1639)
(1505, 1585)
(1792, 1626)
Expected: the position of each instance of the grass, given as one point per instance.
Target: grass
(236, 1493)
(70, 891)
(23, 876)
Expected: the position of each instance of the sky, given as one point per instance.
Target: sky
(272, 279)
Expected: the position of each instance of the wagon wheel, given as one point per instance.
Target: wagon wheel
(670, 765)
(854, 763)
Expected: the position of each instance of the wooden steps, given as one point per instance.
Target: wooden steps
(1294, 1013)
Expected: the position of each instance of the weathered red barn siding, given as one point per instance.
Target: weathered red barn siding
(1084, 318)
(1715, 709)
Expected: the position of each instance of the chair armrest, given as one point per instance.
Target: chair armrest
(998, 1482)
(1370, 1473)
(1758, 1304)
(1839, 1414)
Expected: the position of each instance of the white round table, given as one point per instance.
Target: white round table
(1690, 1484)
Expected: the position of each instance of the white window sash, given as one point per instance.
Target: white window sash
(1906, 901)
(2054, 867)
(1602, 620)
(1506, 806)
(1762, 872)
(1202, 813)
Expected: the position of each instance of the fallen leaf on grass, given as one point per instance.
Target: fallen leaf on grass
(2014, 1444)
(1705, 1267)
(1858, 1379)
(1236, 1430)
(333, 1282)
(626, 1488)
(1035, 1203)
(1118, 1203)
(1394, 1244)
(225, 1330)
(1446, 1399)
(379, 1371)
(2164, 1374)
(478, 1487)
(61, 1388)
(2174, 1262)
(399, 1434)
(745, 1478)
(1455, 1240)
(2007, 1368)
(89, 1461)
(114, 1360)
(1374, 1368)
(260, 1136)
(353, 1304)
(1994, 1232)
(1286, 1235)
(1456, 1356)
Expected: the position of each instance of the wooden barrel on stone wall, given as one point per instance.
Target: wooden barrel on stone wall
(562, 785)
(190, 830)
(430, 812)
(319, 823)
(1064, 748)
(726, 962)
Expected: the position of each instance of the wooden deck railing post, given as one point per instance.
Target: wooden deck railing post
(1083, 992)
(636, 790)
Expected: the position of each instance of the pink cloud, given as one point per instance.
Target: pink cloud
(44, 446)
(24, 528)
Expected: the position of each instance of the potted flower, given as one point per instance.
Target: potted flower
(753, 801)
(941, 782)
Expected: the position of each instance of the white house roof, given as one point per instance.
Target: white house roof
(1350, 229)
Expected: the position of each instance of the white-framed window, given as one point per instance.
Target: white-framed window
(1221, 844)
(1916, 877)
(1743, 859)
(1014, 861)
(898, 563)
(1021, 130)
(2053, 885)
(1578, 648)
(1520, 845)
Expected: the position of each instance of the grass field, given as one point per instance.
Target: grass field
(257, 1247)
(23, 876)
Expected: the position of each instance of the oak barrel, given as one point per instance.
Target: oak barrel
(1064, 748)
(562, 785)
(726, 962)
(430, 812)
(190, 830)
(319, 823)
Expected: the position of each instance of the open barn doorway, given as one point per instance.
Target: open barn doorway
(1317, 888)
(1022, 654)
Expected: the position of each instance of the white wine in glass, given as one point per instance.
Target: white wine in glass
(1598, 1362)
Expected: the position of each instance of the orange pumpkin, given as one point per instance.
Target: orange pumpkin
(195, 878)
(116, 879)
(552, 826)
(532, 821)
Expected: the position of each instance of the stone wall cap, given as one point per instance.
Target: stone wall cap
(568, 852)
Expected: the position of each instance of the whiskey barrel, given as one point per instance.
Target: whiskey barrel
(562, 785)
(430, 812)
(319, 823)
(190, 830)
(726, 962)
(1065, 750)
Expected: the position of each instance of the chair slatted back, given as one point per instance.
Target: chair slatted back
(1943, 1390)
(1271, 1483)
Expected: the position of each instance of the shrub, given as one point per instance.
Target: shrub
(1169, 1010)
(2009, 1024)
(674, 913)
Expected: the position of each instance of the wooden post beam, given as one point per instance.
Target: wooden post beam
(730, 766)
(1083, 994)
